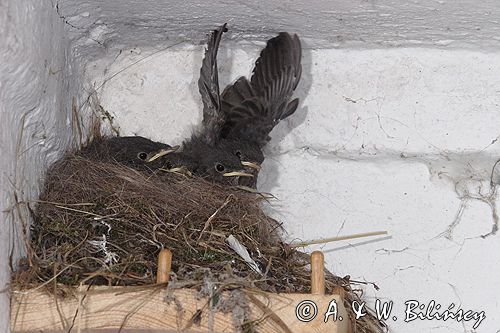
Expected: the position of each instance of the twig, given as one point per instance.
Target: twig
(207, 223)
(268, 313)
(338, 238)
(76, 122)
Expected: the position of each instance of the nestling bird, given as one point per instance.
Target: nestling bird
(134, 151)
(213, 162)
(239, 121)
(143, 154)
(235, 125)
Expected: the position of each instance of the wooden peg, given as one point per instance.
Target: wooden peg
(164, 266)
(317, 273)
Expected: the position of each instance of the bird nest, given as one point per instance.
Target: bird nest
(104, 224)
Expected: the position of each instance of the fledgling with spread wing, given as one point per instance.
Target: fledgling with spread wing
(239, 121)
(213, 162)
(253, 108)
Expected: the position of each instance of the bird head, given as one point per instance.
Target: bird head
(133, 151)
(221, 166)
(250, 156)
(248, 152)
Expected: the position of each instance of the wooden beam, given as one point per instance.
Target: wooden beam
(157, 309)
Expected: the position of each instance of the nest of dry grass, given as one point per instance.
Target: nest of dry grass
(104, 223)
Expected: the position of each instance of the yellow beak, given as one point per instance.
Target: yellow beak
(236, 174)
(162, 152)
(251, 165)
(181, 170)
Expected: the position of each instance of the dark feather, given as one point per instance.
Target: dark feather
(252, 109)
(208, 85)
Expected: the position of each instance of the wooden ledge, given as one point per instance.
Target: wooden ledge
(142, 309)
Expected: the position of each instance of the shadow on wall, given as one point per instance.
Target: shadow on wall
(272, 166)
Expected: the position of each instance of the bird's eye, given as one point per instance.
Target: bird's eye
(219, 167)
(238, 154)
(142, 156)
(168, 165)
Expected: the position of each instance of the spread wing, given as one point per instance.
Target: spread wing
(253, 108)
(208, 85)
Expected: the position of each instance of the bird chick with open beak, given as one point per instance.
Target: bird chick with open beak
(141, 154)
(133, 151)
(239, 121)
(213, 163)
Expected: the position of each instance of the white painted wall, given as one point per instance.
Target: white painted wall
(365, 23)
(37, 83)
(396, 131)
(387, 139)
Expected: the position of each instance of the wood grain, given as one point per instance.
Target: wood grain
(156, 309)
(164, 266)
(317, 273)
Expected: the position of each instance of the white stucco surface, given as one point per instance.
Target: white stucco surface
(365, 23)
(402, 140)
(37, 83)
(397, 128)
